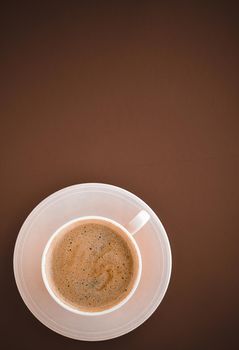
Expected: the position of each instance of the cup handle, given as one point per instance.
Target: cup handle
(138, 222)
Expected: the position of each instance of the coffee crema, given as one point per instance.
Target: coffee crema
(91, 267)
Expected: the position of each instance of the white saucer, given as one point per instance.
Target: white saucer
(91, 199)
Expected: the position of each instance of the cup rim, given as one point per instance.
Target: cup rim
(91, 313)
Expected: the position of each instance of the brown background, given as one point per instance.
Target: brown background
(140, 96)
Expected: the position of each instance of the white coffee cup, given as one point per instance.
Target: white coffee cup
(128, 230)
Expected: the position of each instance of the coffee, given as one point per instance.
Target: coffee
(91, 266)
